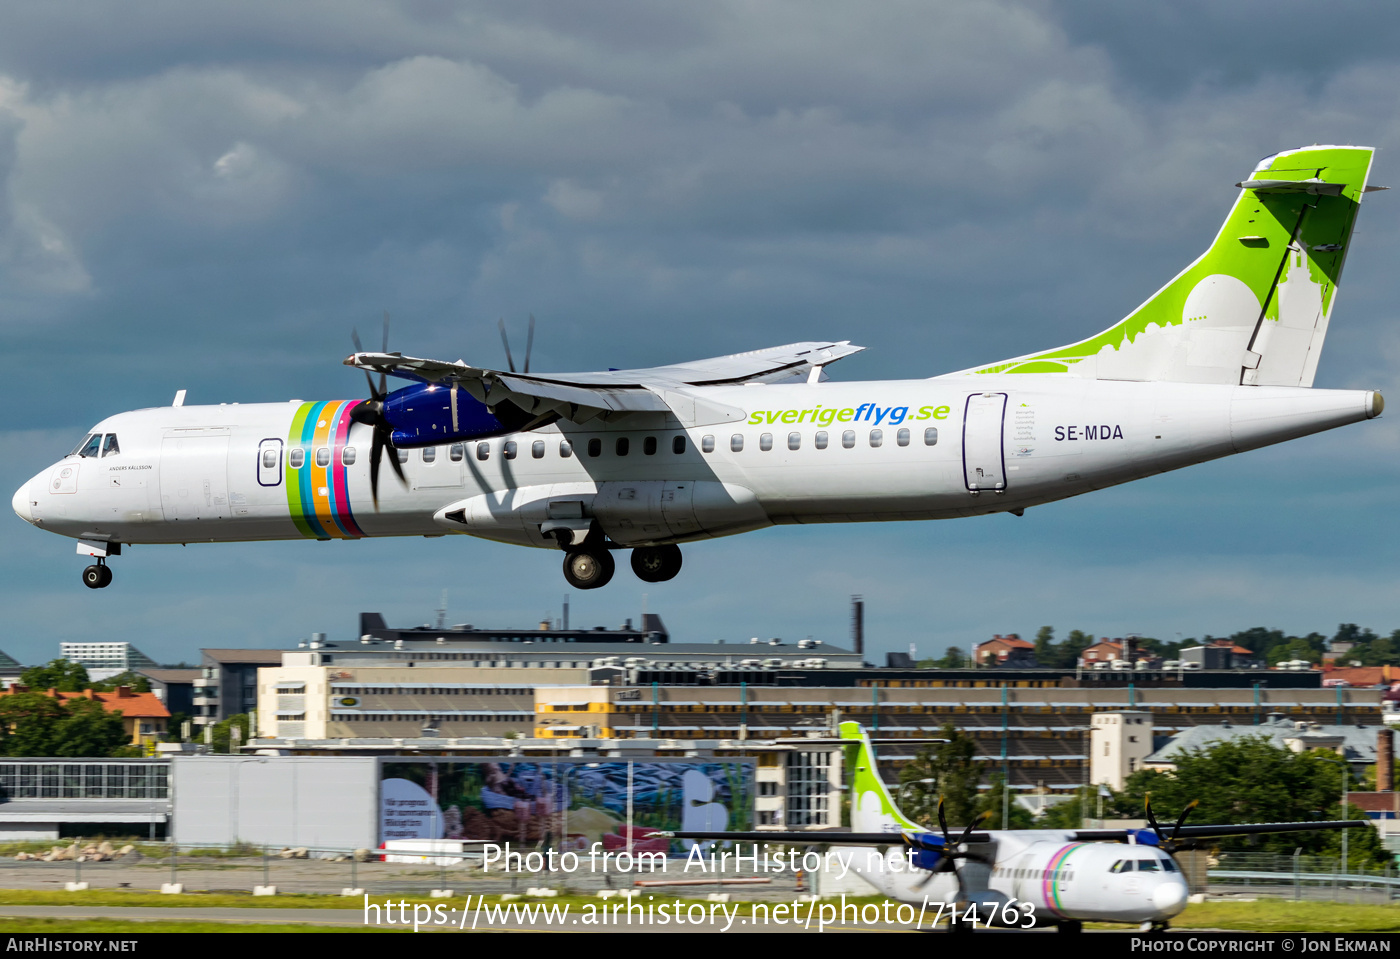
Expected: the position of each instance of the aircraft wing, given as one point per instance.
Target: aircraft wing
(581, 396)
(1209, 832)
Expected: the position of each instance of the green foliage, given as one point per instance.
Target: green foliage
(33, 724)
(59, 674)
(1071, 813)
(137, 682)
(175, 728)
(953, 658)
(222, 737)
(991, 802)
(1250, 780)
(951, 773)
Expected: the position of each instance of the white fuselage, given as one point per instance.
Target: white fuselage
(802, 453)
(1057, 878)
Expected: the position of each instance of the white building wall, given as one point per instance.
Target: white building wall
(1118, 743)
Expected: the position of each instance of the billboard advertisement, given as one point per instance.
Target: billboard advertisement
(565, 805)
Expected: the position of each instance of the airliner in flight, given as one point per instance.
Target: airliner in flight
(1018, 878)
(1219, 361)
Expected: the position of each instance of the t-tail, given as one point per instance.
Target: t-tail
(1253, 309)
(872, 807)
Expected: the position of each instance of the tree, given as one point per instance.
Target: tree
(991, 801)
(945, 770)
(953, 658)
(59, 674)
(33, 724)
(222, 737)
(1045, 646)
(1250, 780)
(131, 678)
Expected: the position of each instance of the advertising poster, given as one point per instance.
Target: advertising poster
(568, 806)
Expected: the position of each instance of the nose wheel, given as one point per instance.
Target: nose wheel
(97, 576)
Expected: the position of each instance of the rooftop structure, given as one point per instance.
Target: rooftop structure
(105, 656)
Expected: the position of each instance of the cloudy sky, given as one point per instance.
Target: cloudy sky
(209, 196)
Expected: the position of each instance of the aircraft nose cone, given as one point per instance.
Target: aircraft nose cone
(20, 504)
(1170, 897)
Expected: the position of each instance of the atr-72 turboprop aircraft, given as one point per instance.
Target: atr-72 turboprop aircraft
(1220, 360)
(1017, 877)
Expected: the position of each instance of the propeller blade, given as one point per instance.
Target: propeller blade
(529, 343)
(1182, 821)
(976, 821)
(394, 459)
(505, 341)
(355, 338)
(943, 823)
(376, 448)
(1151, 819)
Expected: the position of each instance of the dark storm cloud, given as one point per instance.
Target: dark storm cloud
(209, 196)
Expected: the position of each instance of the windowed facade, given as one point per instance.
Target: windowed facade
(808, 788)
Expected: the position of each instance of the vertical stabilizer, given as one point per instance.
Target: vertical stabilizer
(872, 807)
(1253, 309)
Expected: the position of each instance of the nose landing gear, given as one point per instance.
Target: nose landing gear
(97, 576)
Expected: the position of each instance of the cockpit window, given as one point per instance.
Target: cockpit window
(90, 446)
(1122, 865)
(109, 445)
(1169, 866)
(1147, 865)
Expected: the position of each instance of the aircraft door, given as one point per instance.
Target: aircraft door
(984, 449)
(194, 475)
(270, 462)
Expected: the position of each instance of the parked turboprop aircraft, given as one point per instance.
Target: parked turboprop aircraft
(1216, 362)
(1017, 877)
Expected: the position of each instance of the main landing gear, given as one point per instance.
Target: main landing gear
(97, 576)
(589, 564)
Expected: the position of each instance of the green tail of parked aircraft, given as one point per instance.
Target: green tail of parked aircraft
(1219, 361)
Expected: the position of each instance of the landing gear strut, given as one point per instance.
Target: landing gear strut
(97, 576)
(656, 564)
(588, 568)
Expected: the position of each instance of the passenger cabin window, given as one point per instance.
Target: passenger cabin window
(566, 449)
(109, 445)
(794, 441)
(457, 452)
(649, 446)
(429, 454)
(483, 451)
(537, 449)
(707, 443)
(622, 445)
(902, 437)
(297, 458)
(931, 436)
(848, 439)
(510, 449)
(402, 456)
(678, 445)
(347, 456)
(736, 443)
(90, 446)
(323, 457)
(595, 447)
(269, 459)
(819, 441)
(877, 437)
(765, 442)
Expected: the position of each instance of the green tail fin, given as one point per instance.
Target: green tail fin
(872, 807)
(1254, 308)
